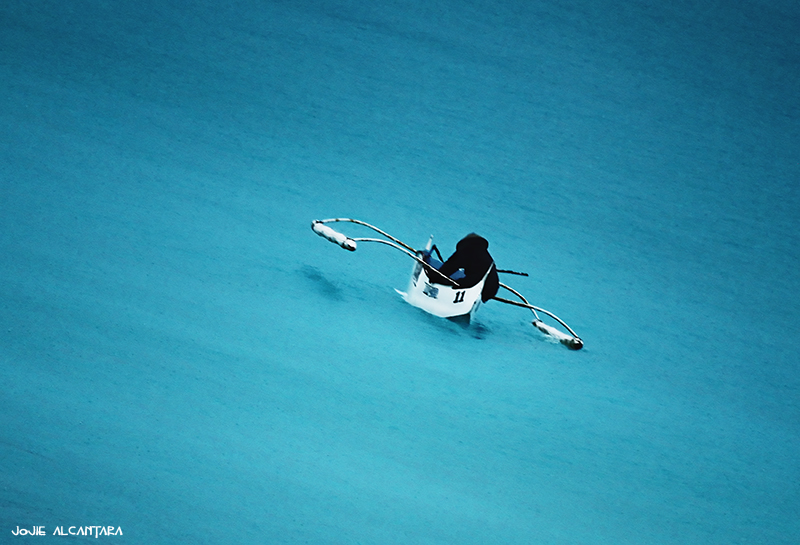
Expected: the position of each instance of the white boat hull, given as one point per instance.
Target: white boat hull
(442, 300)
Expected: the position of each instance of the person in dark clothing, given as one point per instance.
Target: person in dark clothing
(472, 255)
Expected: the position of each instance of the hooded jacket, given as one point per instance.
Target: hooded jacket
(472, 255)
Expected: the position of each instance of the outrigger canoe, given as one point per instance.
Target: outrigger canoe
(442, 295)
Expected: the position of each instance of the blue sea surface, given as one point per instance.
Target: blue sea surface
(183, 359)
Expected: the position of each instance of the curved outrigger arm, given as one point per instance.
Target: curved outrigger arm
(349, 243)
(365, 224)
(574, 342)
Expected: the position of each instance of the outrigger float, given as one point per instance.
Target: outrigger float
(444, 297)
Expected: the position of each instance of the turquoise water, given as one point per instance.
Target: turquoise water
(182, 358)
